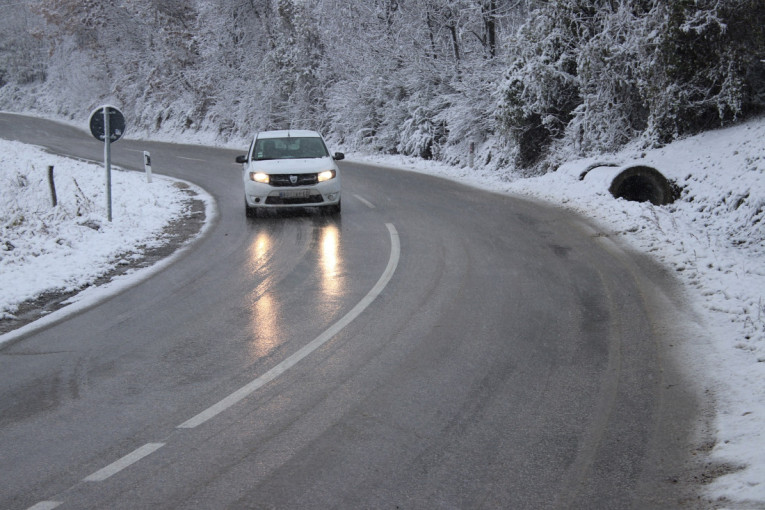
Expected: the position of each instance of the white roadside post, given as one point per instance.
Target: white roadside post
(147, 165)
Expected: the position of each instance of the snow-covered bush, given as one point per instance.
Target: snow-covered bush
(704, 69)
(541, 87)
(612, 111)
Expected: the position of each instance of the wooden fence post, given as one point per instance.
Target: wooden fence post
(52, 186)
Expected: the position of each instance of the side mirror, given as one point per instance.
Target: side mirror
(338, 156)
(241, 159)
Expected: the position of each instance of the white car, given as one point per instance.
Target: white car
(290, 168)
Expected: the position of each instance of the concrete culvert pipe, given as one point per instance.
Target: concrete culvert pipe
(643, 184)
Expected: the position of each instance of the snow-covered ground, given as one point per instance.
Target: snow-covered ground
(713, 237)
(46, 249)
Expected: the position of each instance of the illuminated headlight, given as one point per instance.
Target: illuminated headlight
(259, 177)
(326, 175)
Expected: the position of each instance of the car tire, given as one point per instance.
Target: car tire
(336, 209)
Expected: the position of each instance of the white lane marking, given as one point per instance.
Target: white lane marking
(127, 460)
(365, 201)
(46, 505)
(191, 159)
(248, 389)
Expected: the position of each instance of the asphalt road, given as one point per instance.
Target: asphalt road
(435, 347)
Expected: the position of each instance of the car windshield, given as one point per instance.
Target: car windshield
(289, 148)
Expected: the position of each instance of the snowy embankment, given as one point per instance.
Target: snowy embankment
(68, 247)
(713, 238)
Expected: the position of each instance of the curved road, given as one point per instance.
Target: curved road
(435, 347)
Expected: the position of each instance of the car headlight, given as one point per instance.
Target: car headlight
(326, 175)
(259, 177)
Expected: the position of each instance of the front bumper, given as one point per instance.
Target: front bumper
(267, 196)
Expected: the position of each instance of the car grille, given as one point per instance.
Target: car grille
(283, 180)
(313, 199)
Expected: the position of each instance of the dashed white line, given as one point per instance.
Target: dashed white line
(45, 505)
(126, 461)
(365, 201)
(320, 340)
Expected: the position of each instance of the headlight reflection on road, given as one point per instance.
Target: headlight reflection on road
(265, 325)
(258, 250)
(266, 311)
(329, 260)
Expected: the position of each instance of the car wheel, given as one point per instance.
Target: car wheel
(336, 209)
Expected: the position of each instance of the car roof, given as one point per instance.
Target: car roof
(288, 133)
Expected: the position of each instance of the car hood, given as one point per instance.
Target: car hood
(293, 166)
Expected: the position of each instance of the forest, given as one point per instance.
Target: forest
(526, 82)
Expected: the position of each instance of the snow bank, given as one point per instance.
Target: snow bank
(67, 247)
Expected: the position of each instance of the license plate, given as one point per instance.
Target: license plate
(300, 193)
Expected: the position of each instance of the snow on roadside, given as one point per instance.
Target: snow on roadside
(68, 247)
(713, 237)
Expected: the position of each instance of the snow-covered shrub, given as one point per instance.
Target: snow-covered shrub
(704, 69)
(541, 87)
(468, 111)
(609, 64)
(368, 114)
(422, 134)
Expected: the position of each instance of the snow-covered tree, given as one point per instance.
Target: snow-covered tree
(707, 65)
(419, 77)
(541, 89)
(22, 51)
(597, 74)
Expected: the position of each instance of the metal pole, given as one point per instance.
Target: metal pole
(108, 163)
